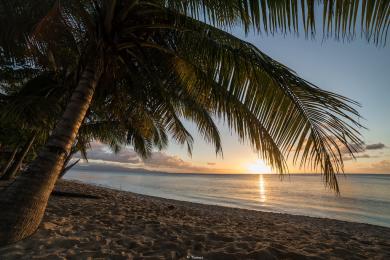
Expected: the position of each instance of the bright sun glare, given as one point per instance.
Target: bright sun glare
(259, 167)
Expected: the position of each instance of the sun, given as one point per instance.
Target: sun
(259, 167)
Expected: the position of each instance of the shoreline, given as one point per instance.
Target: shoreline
(126, 225)
(200, 204)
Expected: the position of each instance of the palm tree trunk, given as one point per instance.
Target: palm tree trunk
(9, 162)
(23, 203)
(13, 170)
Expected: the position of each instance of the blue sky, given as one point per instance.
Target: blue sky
(357, 69)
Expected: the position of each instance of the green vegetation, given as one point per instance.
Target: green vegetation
(129, 72)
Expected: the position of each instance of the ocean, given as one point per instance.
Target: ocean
(364, 198)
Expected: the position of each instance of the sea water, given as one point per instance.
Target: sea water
(364, 198)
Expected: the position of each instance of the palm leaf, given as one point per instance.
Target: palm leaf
(261, 99)
(340, 18)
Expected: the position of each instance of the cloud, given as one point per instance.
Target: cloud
(364, 156)
(108, 167)
(164, 160)
(355, 147)
(358, 156)
(377, 146)
(99, 151)
(102, 159)
(382, 166)
(368, 150)
(174, 163)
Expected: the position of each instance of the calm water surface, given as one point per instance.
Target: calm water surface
(364, 198)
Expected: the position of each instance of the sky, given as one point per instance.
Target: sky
(357, 69)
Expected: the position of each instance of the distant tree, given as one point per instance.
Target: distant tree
(188, 68)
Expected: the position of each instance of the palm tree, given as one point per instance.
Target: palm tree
(18, 159)
(191, 69)
(30, 106)
(10, 139)
(29, 111)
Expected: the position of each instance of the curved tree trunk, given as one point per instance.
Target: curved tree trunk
(13, 170)
(23, 203)
(9, 162)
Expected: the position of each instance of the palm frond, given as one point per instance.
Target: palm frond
(17, 20)
(163, 65)
(262, 100)
(338, 18)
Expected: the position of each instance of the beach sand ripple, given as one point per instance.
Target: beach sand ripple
(123, 225)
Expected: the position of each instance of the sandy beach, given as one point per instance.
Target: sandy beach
(123, 225)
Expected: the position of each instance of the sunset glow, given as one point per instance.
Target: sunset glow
(259, 167)
(262, 195)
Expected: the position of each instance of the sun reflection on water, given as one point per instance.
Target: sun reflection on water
(263, 197)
